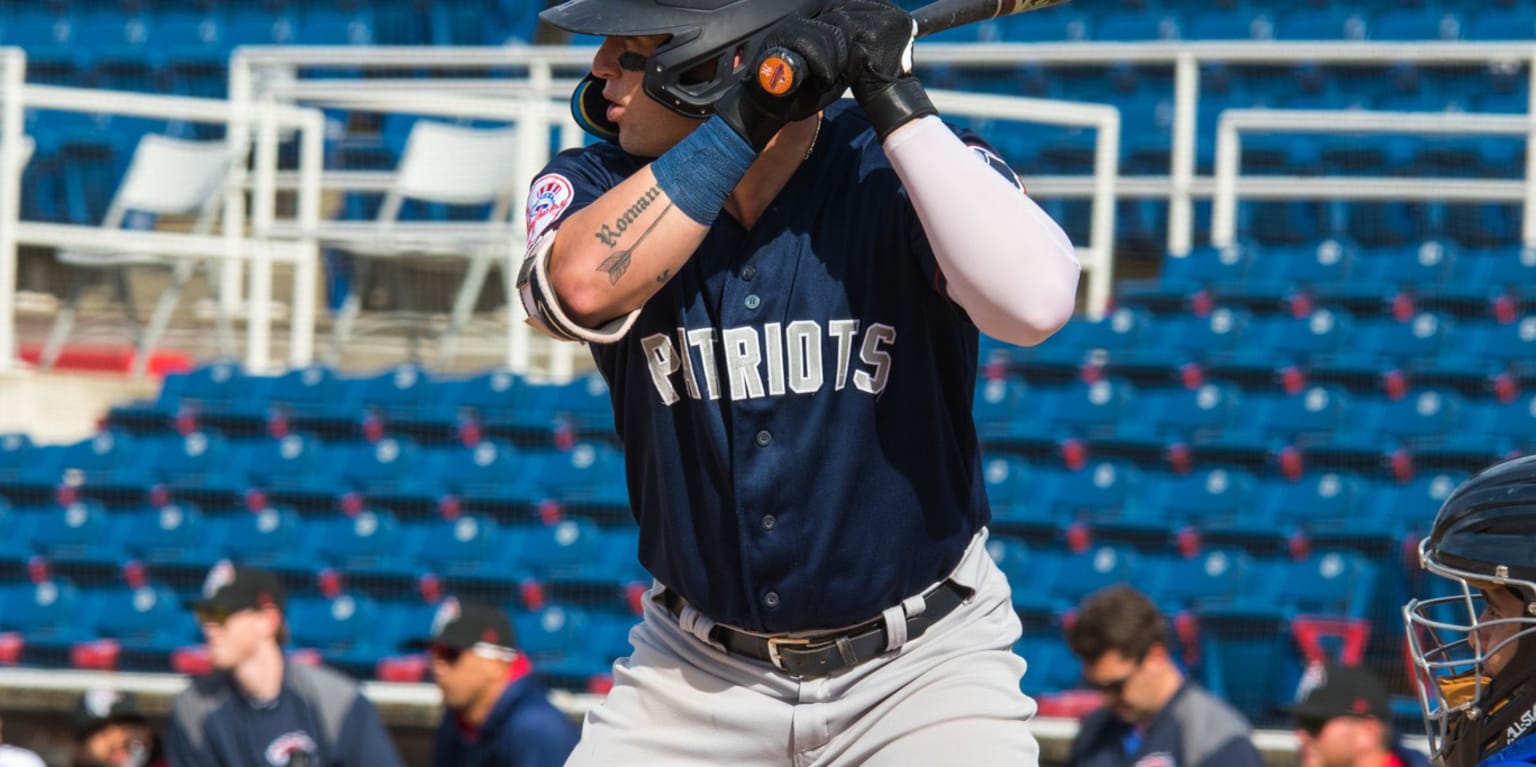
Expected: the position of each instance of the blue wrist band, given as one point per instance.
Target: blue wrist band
(700, 172)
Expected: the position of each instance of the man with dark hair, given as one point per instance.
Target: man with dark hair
(1152, 715)
(110, 731)
(258, 710)
(496, 713)
(1344, 719)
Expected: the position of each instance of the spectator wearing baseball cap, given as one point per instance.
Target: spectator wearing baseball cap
(256, 709)
(1344, 719)
(497, 714)
(110, 731)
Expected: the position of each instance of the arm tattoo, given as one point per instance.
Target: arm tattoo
(618, 263)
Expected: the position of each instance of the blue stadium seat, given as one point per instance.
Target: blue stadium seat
(1123, 27)
(1415, 24)
(1477, 225)
(1012, 556)
(998, 402)
(583, 405)
(1509, 426)
(1215, 577)
(28, 472)
(1179, 415)
(1078, 575)
(335, 27)
(107, 466)
(1080, 342)
(219, 395)
(1492, 22)
(468, 545)
(1279, 222)
(493, 400)
(274, 537)
(1201, 269)
(174, 534)
(566, 551)
(1282, 271)
(1331, 509)
(491, 476)
(1412, 505)
(1382, 345)
(306, 398)
(588, 479)
(1016, 491)
(368, 540)
(1179, 339)
(15, 549)
(1100, 492)
(1081, 410)
(255, 26)
(1510, 346)
(1421, 421)
(555, 640)
(1208, 499)
(1277, 342)
(1320, 24)
(404, 399)
(199, 466)
(49, 39)
(1340, 583)
(1052, 666)
(380, 470)
(296, 467)
(46, 612)
(1055, 25)
(344, 630)
(1228, 24)
(76, 534)
(120, 52)
(148, 623)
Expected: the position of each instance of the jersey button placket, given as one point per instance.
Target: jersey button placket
(752, 301)
(748, 272)
(769, 522)
(771, 600)
(764, 438)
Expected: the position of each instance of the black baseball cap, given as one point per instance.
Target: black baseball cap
(230, 589)
(100, 707)
(1342, 691)
(462, 625)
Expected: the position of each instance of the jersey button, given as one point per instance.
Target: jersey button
(748, 272)
(771, 599)
(764, 438)
(753, 301)
(769, 522)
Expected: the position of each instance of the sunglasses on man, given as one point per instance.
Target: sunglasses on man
(451, 655)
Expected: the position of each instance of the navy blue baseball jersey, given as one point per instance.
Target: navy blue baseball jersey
(795, 404)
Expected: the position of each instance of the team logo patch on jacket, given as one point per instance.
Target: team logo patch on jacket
(281, 751)
(551, 195)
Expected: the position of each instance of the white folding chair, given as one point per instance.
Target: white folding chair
(448, 164)
(166, 177)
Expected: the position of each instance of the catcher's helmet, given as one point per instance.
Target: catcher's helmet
(1483, 540)
(726, 32)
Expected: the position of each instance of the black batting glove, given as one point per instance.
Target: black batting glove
(758, 116)
(880, 40)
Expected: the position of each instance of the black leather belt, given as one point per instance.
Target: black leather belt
(822, 654)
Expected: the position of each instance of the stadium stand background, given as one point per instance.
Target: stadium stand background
(1256, 434)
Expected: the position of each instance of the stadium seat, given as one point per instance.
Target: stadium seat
(1511, 346)
(343, 629)
(28, 472)
(46, 613)
(335, 27)
(1177, 340)
(1330, 508)
(199, 466)
(1079, 411)
(1412, 504)
(491, 477)
(219, 395)
(1017, 493)
(295, 468)
(1417, 24)
(589, 479)
(1277, 342)
(1099, 493)
(1215, 577)
(1083, 342)
(465, 545)
(1320, 24)
(568, 550)
(1281, 271)
(1055, 25)
(1228, 24)
(405, 401)
(172, 535)
(306, 398)
(583, 406)
(15, 537)
(1385, 345)
(1124, 27)
(1203, 268)
(145, 624)
(1052, 666)
(367, 540)
(249, 25)
(274, 537)
(107, 466)
(1339, 583)
(381, 470)
(998, 401)
(555, 640)
(1492, 22)
(1175, 416)
(166, 176)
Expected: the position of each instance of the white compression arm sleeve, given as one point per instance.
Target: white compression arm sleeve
(1007, 263)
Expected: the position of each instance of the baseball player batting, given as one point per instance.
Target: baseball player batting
(784, 294)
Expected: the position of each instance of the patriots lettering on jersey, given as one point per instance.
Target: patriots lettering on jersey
(998, 164)
(552, 194)
(769, 361)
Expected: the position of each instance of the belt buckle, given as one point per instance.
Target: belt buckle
(773, 648)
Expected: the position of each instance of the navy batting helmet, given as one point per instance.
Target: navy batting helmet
(727, 33)
(1474, 650)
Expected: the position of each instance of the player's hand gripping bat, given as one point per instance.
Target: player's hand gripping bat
(779, 69)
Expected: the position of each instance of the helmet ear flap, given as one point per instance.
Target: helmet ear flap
(590, 109)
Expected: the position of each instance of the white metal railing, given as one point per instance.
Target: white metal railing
(13, 73)
(232, 246)
(1229, 152)
(1183, 185)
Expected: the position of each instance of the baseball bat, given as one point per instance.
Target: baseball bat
(778, 69)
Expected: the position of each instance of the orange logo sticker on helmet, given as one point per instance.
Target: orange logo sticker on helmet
(776, 75)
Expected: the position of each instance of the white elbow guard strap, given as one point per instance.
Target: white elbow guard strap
(543, 307)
